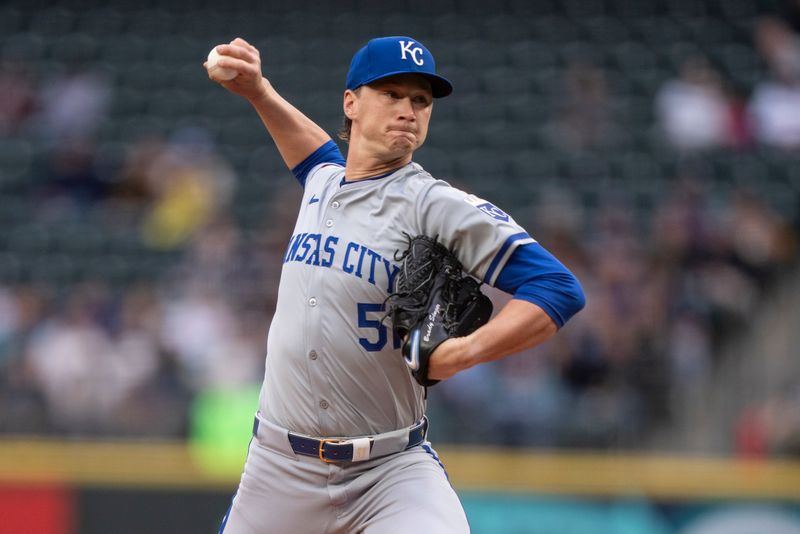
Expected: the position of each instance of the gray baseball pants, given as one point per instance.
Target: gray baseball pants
(281, 492)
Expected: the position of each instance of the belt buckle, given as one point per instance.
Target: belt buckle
(322, 443)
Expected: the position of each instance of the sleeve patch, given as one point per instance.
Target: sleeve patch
(487, 207)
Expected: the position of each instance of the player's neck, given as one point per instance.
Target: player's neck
(362, 164)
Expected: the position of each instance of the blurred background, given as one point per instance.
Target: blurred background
(652, 145)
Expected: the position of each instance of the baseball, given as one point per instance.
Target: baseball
(219, 73)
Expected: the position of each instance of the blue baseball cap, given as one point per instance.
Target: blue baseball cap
(387, 56)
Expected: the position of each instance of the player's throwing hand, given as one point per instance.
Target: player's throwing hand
(245, 59)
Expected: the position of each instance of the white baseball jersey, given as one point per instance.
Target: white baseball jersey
(332, 368)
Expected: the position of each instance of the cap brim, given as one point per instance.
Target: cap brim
(440, 86)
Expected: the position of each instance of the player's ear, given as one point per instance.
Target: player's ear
(350, 104)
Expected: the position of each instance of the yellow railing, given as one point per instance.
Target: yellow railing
(177, 465)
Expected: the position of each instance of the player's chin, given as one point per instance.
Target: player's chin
(407, 141)
(401, 146)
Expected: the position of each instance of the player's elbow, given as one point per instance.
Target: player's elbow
(558, 293)
(574, 297)
(566, 296)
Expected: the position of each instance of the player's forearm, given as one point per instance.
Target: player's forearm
(520, 325)
(295, 135)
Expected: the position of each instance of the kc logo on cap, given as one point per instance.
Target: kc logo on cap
(405, 46)
(379, 58)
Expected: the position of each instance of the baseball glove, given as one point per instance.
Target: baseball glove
(433, 301)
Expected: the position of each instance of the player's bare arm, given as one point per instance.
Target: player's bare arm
(520, 325)
(295, 135)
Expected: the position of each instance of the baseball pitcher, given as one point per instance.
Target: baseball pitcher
(379, 299)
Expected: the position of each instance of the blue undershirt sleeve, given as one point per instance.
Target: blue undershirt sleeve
(327, 153)
(535, 275)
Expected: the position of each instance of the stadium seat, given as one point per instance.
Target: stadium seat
(480, 166)
(75, 49)
(152, 23)
(503, 136)
(170, 104)
(500, 82)
(11, 20)
(503, 28)
(531, 55)
(555, 30)
(106, 22)
(16, 162)
(24, 47)
(53, 21)
(604, 30)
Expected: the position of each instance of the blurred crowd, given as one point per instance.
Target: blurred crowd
(665, 286)
(662, 297)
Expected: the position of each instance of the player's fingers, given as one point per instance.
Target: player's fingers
(239, 65)
(238, 52)
(240, 41)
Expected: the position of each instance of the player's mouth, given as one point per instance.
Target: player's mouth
(404, 133)
(405, 129)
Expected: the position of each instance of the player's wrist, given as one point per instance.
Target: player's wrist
(465, 354)
(475, 349)
(262, 95)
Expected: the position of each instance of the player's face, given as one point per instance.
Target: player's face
(392, 114)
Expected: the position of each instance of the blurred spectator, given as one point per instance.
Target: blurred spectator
(693, 110)
(8, 322)
(17, 88)
(681, 225)
(238, 360)
(213, 258)
(690, 355)
(772, 426)
(133, 187)
(71, 106)
(151, 396)
(775, 103)
(758, 235)
(190, 184)
(71, 178)
(69, 355)
(24, 408)
(135, 352)
(195, 325)
(584, 117)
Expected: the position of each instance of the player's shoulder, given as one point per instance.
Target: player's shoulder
(430, 187)
(414, 177)
(325, 172)
(440, 196)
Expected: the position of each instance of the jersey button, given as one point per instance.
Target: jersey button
(312, 355)
(329, 223)
(312, 302)
(335, 204)
(323, 404)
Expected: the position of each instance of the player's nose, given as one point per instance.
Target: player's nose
(406, 109)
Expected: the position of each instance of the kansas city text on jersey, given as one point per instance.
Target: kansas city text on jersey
(356, 259)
